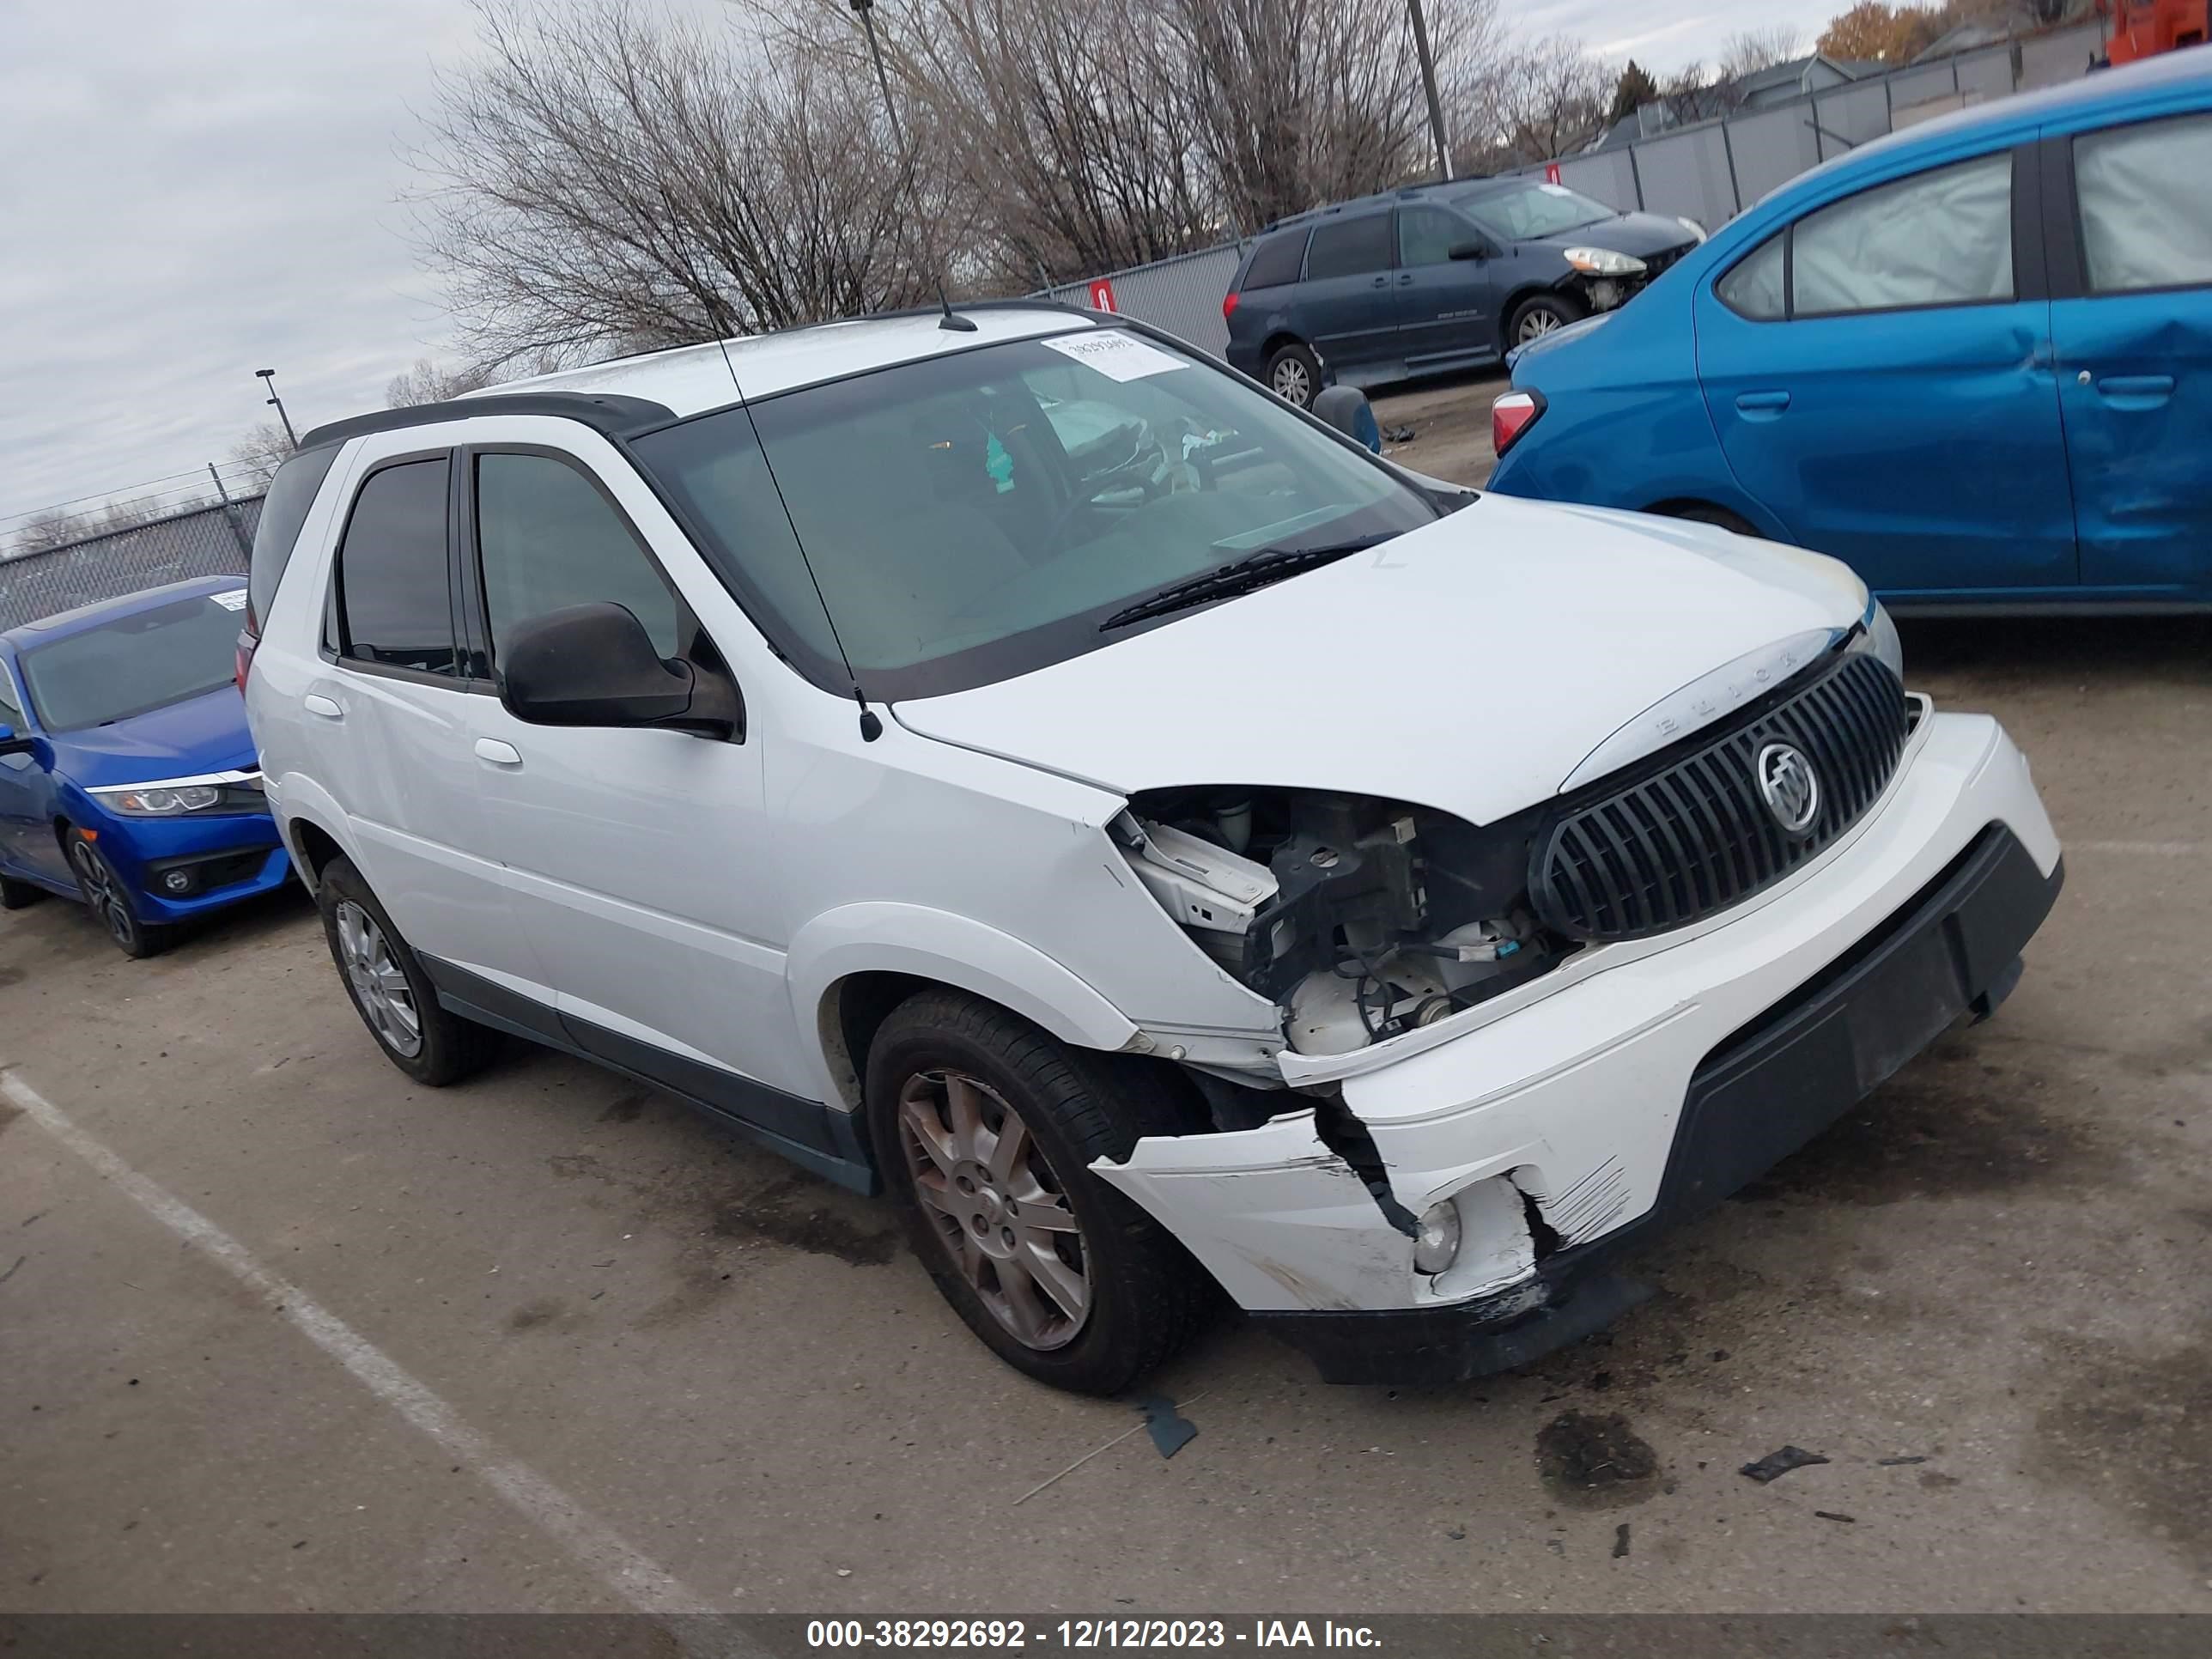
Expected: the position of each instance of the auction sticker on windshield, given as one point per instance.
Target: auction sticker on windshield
(1117, 355)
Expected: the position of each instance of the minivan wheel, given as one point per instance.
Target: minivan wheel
(389, 990)
(984, 1129)
(1543, 313)
(1294, 374)
(108, 898)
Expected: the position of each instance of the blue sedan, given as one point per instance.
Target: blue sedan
(1973, 360)
(127, 776)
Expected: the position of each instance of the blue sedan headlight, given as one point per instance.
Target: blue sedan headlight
(220, 794)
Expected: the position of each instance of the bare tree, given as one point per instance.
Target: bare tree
(600, 178)
(428, 383)
(1551, 101)
(55, 527)
(257, 456)
(1754, 50)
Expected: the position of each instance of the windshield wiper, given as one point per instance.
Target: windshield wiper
(1259, 570)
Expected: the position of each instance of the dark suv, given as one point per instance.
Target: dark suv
(1436, 277)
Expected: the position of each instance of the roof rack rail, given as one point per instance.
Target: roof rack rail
(615, 416)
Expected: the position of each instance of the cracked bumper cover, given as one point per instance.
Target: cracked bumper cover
(1631, 1100)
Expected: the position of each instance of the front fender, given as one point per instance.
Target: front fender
(950, 949)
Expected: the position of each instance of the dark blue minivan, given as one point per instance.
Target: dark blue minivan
(1434, 278)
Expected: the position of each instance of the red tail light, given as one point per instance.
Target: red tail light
(1512, 415)
(1228, 304)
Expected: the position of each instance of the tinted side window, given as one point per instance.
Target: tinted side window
(283, 510)
(394, 601)
(1277, 260)
(1753, 289)
(1940, 238)
(548, 538)
(11, 713)
(1427, 236)
(2146, 209)
(1349, 248)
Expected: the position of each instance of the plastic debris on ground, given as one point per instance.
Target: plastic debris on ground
(1775, 1464)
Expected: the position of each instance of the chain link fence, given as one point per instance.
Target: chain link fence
(209, 541)
(1182, 295)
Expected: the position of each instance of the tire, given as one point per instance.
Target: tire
(1294, 374)
(388, 988)
(1540, 314)
(108, 897)
(16, 895)
(943, 1058)
(1706, 513)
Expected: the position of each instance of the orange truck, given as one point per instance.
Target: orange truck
(2138, 28)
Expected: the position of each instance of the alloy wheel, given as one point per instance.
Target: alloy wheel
(1292, 383)
(996, 1205)
(103, 892)
(379, 985)
(1538, 323)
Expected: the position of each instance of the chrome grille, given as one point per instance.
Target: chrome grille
(1669, 842)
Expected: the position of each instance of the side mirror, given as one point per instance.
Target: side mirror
(12, 745)
(1468, 250)
(594, 665)
(1346, 409)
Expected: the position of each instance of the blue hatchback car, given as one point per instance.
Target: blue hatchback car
(127, 776)
(1972, 359)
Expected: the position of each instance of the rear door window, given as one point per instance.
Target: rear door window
(1277, 260)
(1349, 248)
(394, 605)
(2146, 211)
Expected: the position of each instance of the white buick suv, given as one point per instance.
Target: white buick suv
(1010, 761)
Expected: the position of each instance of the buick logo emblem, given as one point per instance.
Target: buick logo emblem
(1789, 785)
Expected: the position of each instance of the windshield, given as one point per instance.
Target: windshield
(973, 516)
(135, 663)
(1529, 210)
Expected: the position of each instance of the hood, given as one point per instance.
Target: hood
(1471, 666)
(202, 735)
(1639, 235)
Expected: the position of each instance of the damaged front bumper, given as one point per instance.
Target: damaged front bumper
(1639, 1090)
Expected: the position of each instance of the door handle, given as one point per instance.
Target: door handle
(1381, 281)
(1752, 403)
(315, 703)
(2152, 388)
(1405, 279)
(498, 753)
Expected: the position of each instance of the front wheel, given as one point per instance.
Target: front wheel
(389, 990)
(1294, 374)
(985, 1128)
(108, 898)
(1540, 314)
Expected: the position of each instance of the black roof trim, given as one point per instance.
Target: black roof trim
(615, 417)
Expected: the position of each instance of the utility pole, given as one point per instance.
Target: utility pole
(1429, 85)
(269, 377)
(867, 9)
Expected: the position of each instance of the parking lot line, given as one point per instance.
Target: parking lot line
(626, 1571)
(2156, 849)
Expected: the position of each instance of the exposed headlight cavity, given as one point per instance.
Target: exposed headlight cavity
(1361, 918)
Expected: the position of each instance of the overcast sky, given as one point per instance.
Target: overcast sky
(193, 191)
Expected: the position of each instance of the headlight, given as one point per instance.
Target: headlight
(1693, 228)
(1879, 635)
(1603, 262)
(231, 791)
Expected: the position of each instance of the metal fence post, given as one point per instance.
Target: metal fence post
(230, 513)
(1736, 184)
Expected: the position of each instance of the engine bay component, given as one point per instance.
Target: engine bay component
(1363, 917)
